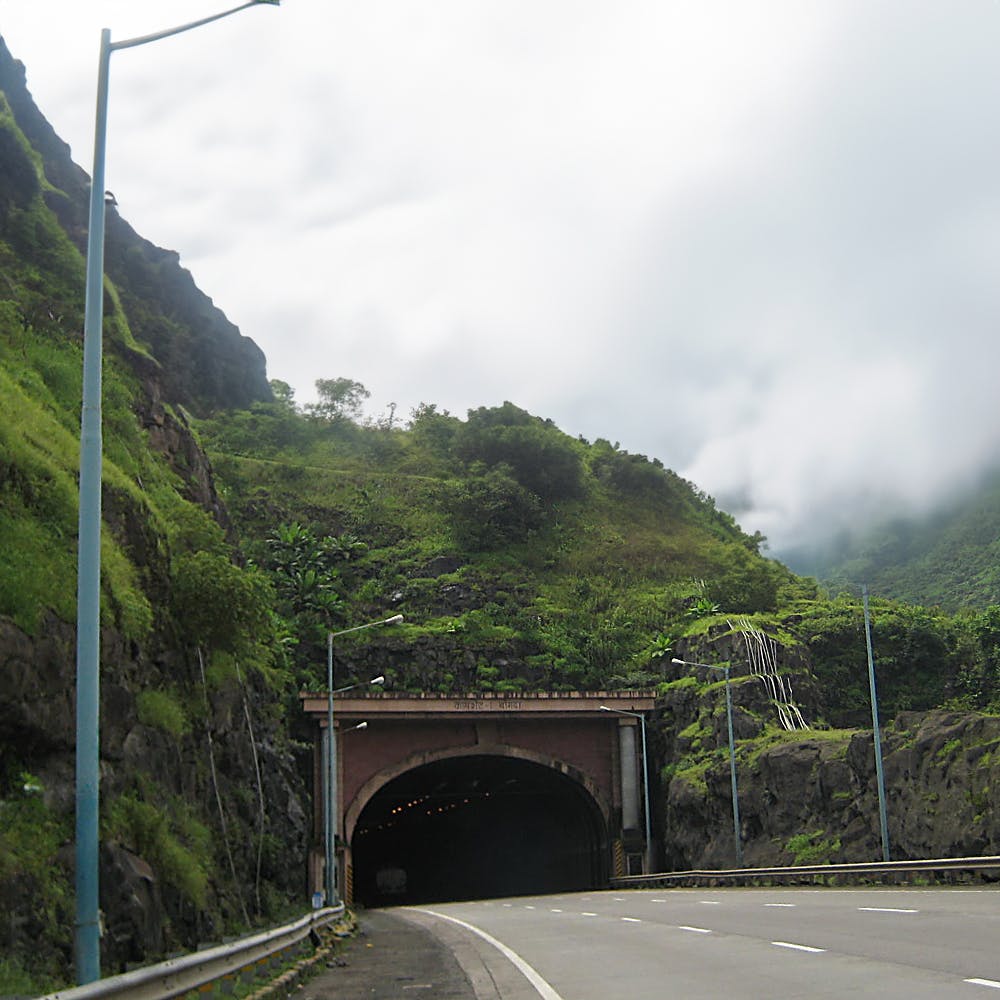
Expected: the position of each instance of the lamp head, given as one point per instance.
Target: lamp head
(675, 660)
(361, 725)
(604, 708)
(377, 680)
(394, 620)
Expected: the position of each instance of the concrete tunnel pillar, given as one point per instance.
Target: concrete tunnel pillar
(629, 775)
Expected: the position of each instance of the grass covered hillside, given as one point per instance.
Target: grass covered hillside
(171, 682)
(520, 556)
(524, 558)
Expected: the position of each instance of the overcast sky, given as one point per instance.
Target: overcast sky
(759, 241)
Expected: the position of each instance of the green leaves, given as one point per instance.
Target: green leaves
(221, 606)
(339, 399)
(490, 509)
(661, 646)
(538, 455)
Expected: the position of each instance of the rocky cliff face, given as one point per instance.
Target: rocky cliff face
(205, 363)
(811, 796)
(203, 827)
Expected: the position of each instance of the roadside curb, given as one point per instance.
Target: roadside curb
(294, 978)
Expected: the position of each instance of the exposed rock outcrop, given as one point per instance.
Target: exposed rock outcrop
(205, 362)
(814, 796)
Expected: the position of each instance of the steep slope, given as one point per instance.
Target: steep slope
(188, 701)
(521, 557)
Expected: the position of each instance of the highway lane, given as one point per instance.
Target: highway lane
(746, 943)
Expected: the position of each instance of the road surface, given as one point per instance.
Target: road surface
(740, 943)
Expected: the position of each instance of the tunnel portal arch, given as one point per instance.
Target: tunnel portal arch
(502, 821)
(579, 745)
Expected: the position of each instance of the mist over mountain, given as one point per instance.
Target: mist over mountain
(947, 557)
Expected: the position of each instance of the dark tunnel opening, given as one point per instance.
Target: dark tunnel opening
(474, 828)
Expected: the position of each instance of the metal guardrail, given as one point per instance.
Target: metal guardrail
(662, 879)
(178, 976)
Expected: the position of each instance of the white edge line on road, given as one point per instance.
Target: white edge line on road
(631, 920)
(543, 989)
(587, 913)
(709, 902)
(783, 905)
(694, 930)
(885, 909)
(992, 983)
(798, 947)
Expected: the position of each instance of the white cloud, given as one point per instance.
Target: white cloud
(756, 241)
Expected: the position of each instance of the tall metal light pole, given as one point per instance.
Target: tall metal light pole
(645, 782)
(330, 804)
(88, 931)
(879, 775)
(737, 837)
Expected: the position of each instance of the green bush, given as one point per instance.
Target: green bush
(812, 848)
(541, 457)
(31, 835)
(162, 710)
(144, 829)
(490, 509)
(222, 606)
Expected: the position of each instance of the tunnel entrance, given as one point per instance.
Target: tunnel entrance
(477, 827)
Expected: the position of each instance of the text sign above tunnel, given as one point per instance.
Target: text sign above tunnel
(539, 789)
(396, 704)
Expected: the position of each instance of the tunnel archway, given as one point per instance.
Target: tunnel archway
(477, 826)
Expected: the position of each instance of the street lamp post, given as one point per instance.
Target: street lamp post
(876, 732)
(737, 838)
(645, 781)
(88, 932)
(330, 804)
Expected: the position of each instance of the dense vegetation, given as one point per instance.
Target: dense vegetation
(500, 537)
(186, 625)
(527, 558)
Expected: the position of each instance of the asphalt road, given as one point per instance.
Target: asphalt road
(732, 943)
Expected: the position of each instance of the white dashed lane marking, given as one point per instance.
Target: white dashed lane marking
(542, 987)
(798, 947)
